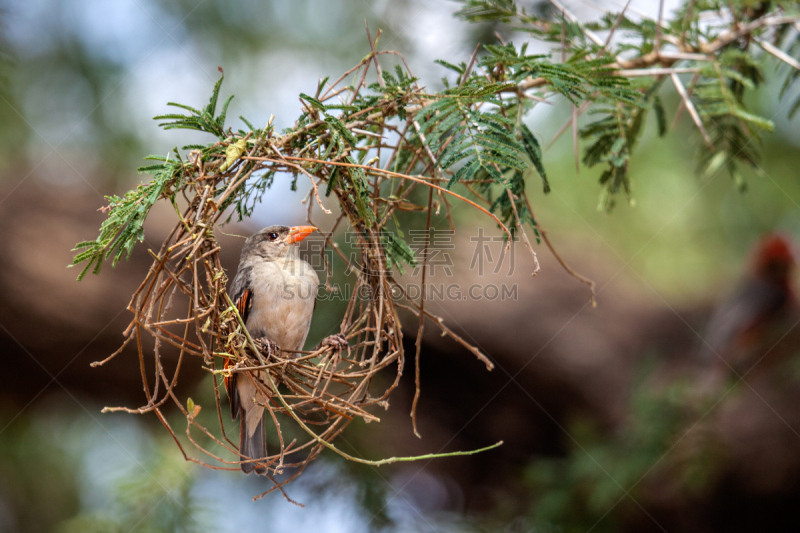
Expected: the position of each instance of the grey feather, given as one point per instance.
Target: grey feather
(253, 446)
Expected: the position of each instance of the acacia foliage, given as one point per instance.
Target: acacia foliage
(472, 137)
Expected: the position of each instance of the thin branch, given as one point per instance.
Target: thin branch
(616, 25)
(470, 65)
(690, 107)
(643, 72)
(583, 279)
(396, 175)
(372, 45)
(589, 33)
(682, 105)
(777, 52)
(659, 28)
(513, 198)
(421, 327)
(584, 106)
(746, 29)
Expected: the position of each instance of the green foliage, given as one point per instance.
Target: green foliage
(484, 146)
(613, 139)
(477, 135)
(124, 226)
(353, 179)
(202, 119)
(397, 250)
(792, 48)
(534, 151)
(357, 185)
(473, 133)
(482, 141)
(734, 131)
(492, 10)
(719, 94)
(32, 501)
(590, 487)
(395, 89)
(155, 498)
(251, 194)
(576, 79)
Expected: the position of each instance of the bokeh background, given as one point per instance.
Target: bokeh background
(606, 413)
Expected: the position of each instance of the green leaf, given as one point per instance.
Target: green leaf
(534, 151)
(202, 119)
(313, 101)
(397, 251)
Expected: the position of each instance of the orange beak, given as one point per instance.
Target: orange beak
(298, 233)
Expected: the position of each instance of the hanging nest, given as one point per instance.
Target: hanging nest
(343, 143)
(325, 389)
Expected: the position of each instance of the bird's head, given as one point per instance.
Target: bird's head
(275, 242)
(774, 258)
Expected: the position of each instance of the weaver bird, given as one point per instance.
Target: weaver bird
(741, 330)
(275, 293)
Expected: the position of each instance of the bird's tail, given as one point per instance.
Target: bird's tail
(253, 446)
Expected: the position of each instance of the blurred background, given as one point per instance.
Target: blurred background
(614, 418)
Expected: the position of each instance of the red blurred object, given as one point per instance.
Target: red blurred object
(744, 329)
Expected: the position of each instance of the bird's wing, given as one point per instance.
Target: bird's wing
(243, 300)
(241, 293)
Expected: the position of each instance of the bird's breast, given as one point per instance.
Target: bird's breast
(284, 293)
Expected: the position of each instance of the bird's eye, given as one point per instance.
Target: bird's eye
(272, 236)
